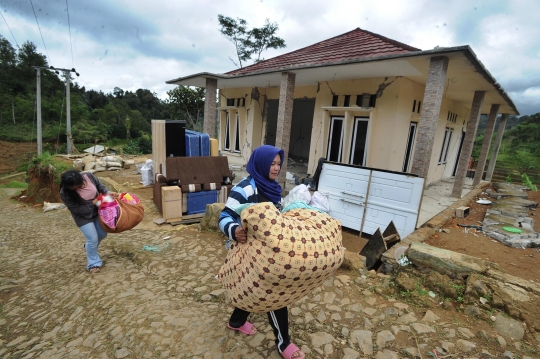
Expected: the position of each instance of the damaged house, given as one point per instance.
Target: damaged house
(358, 98)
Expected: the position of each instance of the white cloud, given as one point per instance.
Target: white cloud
(135, 44)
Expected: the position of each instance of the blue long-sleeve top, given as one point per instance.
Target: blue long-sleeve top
(244, 192)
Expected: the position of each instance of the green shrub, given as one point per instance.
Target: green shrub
(527, 182)
(15, 184)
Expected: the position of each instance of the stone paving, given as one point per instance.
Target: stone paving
(169, 305)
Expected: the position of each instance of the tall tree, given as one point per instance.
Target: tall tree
(264, 38)
(249, 42)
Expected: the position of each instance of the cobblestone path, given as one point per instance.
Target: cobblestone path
(169, 305)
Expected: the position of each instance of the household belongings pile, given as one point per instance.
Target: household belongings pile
(121, 214)
(90, 163)
(286, 256)
(202, 180)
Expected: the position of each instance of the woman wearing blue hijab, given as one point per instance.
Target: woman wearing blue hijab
(261, 185)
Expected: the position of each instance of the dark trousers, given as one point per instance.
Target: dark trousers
(279, 320)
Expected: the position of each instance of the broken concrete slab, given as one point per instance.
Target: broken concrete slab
(507, 190)
(493, 227)
(513, 206)
(447, 262)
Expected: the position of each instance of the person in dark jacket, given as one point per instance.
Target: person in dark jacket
(79, 191)
(263, 167)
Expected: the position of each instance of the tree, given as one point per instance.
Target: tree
(252, 42)
(264, 39)
(187, 104)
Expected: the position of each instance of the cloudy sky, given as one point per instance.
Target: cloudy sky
(135, 44)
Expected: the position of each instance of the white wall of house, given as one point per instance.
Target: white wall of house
(388, 128)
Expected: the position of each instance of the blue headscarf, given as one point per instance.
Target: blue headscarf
(258, 167)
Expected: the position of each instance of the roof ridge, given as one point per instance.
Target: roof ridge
(395, 42)
(361, 43)
(292, 52)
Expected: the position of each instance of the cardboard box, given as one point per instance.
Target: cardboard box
(172, 209)
(171, 201)
(171, 193)
(214, 147)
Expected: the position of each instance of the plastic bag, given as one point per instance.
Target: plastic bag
(147, 173)
(298, 193)
(320, 201)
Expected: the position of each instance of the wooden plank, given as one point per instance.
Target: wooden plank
(374, 249)
(158, 144)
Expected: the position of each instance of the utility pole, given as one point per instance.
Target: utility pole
(68, 108)
(38, 105)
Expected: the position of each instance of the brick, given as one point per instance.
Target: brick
(210, 107)
(468, 143)
(485, 145)
(284, 120)
(429, 116)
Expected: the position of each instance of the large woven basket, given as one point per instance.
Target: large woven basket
(130, 216)
(286, 256)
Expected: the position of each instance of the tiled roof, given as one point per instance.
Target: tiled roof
(353, 45)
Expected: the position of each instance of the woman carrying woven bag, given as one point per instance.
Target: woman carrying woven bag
(263, 166)
(79, 192)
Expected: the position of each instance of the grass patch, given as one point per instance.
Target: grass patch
(15, 184)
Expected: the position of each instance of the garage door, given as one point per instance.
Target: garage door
(346, 188)
(392, 196)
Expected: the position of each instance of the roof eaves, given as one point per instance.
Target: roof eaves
(200, 74)
(471, 56)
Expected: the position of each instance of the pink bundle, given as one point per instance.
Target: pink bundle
(109, 211)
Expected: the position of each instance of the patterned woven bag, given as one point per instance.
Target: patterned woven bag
(285, 257)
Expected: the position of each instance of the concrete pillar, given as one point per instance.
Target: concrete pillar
(496, 146)
(485, 145)
(210, 107)
(429, 116)
(468, 143)
(284, 120)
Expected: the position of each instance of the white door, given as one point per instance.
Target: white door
(393, 197)
(346, 188)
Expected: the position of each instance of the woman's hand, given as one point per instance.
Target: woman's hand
(113, 194)
(240, 235)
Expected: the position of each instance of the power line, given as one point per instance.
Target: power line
(70, 43)
(10, 30)
(40, 31)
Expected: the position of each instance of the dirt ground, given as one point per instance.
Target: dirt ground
(523, 263)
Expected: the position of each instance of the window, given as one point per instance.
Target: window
(237, 134)
(230, 102)
(359, 137)
(414, 106)
(335, 139)
(410, 144)
(335, 100)
(452, 117)
(347, 101)
(227, 141)
(446, 143)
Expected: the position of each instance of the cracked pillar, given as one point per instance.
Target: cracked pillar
(468, 143)
(496, 146)
(210, 107)
(284, 119)
(485, 145)
(429, 117)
